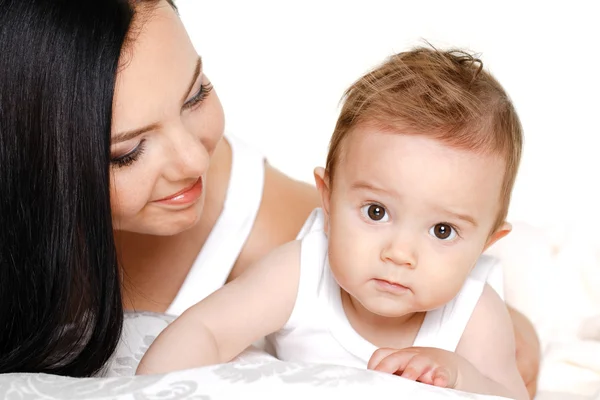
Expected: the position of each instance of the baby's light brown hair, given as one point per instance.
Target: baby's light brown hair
(445, 95)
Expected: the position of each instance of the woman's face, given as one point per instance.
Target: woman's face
(166, 124)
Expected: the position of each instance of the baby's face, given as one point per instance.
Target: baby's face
(408, 219)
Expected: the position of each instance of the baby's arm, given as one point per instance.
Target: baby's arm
(221, 326)
(488, 343)
(484, 361)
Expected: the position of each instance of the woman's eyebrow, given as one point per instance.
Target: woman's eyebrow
(194, 78)
(128, 135)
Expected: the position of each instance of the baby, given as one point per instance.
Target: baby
(389, 274)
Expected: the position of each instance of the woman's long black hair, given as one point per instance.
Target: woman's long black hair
(60, 298)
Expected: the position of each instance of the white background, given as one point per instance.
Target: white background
(280, 68)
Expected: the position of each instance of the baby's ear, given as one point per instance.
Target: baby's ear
(502, 231)
(323, 184)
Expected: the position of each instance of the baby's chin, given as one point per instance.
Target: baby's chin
(389, 307)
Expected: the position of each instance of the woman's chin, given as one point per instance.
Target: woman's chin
(175, 228)
(165, 222)
(179, 222)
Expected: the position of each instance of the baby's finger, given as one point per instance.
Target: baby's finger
(395, 362)
(440, 377)
(417, 368)
(379, 355)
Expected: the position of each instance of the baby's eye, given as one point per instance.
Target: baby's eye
(443, 232)
(375, 212)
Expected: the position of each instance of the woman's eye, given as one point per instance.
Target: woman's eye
(443, 232)
(127, 159)
(375, 212)
(204, 91)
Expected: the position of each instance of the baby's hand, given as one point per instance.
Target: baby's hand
(424, 364)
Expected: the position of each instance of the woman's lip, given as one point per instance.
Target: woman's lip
(187, 195)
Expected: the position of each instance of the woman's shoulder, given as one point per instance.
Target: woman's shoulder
(285, 205)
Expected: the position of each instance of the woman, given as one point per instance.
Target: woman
(190, 209)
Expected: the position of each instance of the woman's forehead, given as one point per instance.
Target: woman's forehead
(156, 68)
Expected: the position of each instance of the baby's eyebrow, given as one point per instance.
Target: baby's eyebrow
(363, 185)
(464, 217)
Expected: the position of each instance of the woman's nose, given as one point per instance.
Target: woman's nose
(188, 158)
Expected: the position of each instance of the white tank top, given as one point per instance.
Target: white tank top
(227, 238)
(318, 330)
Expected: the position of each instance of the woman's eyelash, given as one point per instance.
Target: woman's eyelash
(205, 89)
(129, 158)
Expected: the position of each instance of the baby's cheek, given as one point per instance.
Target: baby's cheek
(438, 292)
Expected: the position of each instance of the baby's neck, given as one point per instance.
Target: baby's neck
(381, 331)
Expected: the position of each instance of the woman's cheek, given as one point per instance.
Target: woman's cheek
(128, 196)
(209, 123)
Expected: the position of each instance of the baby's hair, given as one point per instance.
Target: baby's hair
(445, 95)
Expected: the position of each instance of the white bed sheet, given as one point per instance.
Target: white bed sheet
(253, 375)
